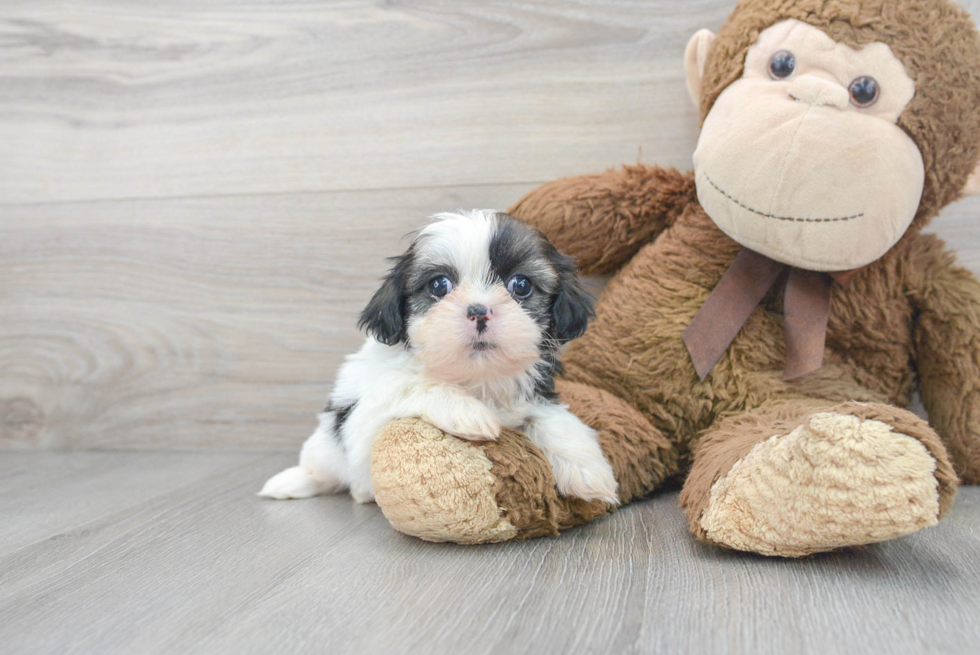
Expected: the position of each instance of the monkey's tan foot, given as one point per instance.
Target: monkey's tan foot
(436, 487)
(439, 488)
(852, 474)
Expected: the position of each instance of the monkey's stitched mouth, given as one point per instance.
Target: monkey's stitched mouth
(778, 218)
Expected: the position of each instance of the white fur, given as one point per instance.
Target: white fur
(572, 449)
(444, 381)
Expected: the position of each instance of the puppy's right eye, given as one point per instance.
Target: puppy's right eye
(520, 287)
(440, 286)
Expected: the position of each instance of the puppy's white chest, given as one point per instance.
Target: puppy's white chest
(512, 415)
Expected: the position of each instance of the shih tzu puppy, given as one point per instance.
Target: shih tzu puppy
(464, 333)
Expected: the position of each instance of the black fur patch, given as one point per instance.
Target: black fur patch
(572, 307)
(512, 244)
(340, 415)
(545, 386)
(562, 311)
(384, 317)
(518, 249)
(419, 299)
(566, 310)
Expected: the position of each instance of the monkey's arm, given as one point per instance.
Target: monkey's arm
(947, 341)
(604, 219)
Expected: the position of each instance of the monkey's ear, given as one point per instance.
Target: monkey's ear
(695, 55)
(972, 187)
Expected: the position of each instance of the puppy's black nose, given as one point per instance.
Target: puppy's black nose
(478, 313)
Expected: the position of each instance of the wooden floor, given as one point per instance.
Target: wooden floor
(197, 199)
(172, 553)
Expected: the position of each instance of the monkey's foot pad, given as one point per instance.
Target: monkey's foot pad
(837, 480)
(436, 487)
(440, 488)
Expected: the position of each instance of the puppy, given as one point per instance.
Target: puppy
(464, 333)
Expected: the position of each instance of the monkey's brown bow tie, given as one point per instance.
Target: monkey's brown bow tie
(805, 308)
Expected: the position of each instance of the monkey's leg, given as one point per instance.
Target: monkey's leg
(797, 477)
(439, 488)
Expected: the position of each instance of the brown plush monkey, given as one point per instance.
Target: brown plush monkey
(771, 312)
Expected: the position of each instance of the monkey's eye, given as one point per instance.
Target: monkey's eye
(782, 65)
(864, 91)
(520, 287)
(439, 286)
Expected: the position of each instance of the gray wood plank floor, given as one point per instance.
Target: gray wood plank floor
(172, 553)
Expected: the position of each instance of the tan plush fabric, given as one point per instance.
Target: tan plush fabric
(805, 137)
(910, 318)
(838, 478)
(775, 502)
(436, 487)
(905, 422)
(935, 39)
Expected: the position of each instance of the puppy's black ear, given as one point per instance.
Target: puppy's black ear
(384, 316)
(572, 307)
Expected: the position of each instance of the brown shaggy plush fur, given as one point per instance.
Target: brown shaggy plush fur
(910, 318)
(911, 301)
(641, 458)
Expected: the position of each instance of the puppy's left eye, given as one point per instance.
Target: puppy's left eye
(440, 286)
(520, 287)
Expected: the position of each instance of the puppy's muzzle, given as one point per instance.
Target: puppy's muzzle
(480, 315)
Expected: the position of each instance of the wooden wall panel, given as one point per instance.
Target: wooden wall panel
(196, 199)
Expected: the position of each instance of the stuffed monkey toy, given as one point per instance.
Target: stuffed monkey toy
(771, 312)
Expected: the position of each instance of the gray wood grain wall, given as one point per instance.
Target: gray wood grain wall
(196, 199)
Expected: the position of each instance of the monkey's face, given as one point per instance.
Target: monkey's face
(801, 159)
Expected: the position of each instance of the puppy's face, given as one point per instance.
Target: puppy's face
(478, 297)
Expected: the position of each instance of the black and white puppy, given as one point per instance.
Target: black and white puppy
(464, 333)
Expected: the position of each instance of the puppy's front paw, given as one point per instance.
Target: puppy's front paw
(588, 477)
(467, 418)
(362, 495)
